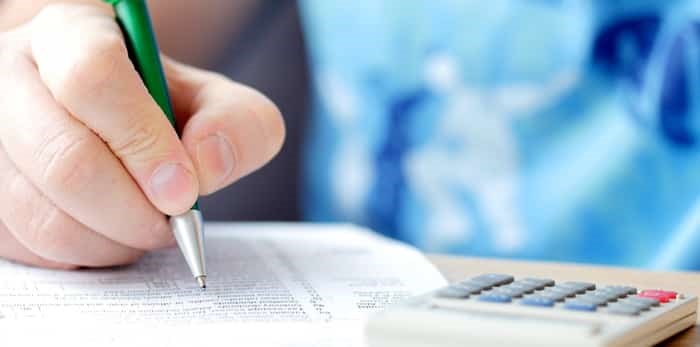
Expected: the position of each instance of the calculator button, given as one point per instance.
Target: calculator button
(599, 300)
(527, 288)
(564, 290)
(538, 283)
(579, 286)
(492, 280)
(580, 305)
(452, 293)
(495, 297)
(671, 294)
(644, 303)
(660, 298)
(513, 292)
(616, 293)
(553, 295)
(621, 291)
(624, 310)
(608, 296)
(656, 296)
(538, 301)
(661, 295)
(471, 287)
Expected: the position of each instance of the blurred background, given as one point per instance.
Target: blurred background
(559, 130)
(269, 55)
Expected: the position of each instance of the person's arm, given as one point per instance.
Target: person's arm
(190, 31)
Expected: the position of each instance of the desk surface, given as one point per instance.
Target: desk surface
(458, 268)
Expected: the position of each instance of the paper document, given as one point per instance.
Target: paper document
(269, 284)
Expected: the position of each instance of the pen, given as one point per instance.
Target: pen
(135, 23)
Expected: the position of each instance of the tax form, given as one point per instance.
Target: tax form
(274, 284)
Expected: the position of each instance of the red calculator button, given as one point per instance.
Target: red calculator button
(671, 294)
(660, 295)
(667, 293)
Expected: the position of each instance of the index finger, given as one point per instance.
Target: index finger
(85, 64)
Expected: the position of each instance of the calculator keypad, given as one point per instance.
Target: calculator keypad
(547, 294)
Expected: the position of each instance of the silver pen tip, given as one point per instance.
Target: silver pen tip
(202, 281)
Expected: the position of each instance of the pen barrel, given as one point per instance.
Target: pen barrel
(135, 22)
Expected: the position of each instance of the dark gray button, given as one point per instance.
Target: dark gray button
(630, 290)
(611, 293)
(620, 291)
(643, 303)
(525, 287)
(566, 290)
(604, 294)
(624, 310)
(471, 287)
(452, 293)
(493, 279)
(553, 295)
(539, 283)
(513, 292)
(579, 286)
(598, 300)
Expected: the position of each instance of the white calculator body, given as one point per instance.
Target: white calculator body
(499, 310)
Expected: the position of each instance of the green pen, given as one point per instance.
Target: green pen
(133, 18)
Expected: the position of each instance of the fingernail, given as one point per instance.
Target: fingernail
(216, 161)
(170, 184)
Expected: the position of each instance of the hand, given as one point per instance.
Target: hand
(89, 164)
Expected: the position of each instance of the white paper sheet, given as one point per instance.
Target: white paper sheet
(269, 284)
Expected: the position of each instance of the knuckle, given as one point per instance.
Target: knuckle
(139, 139)
(93, 70)
(108, 45)
(66, 160)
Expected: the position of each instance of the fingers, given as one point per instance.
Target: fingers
(232, 131)
(91, 155)
(70, 165)
(11, 249)
(48, 232)
(84, 62)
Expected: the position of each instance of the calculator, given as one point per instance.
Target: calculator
(500, 310)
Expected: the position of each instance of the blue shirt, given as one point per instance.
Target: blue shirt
(544, 129)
